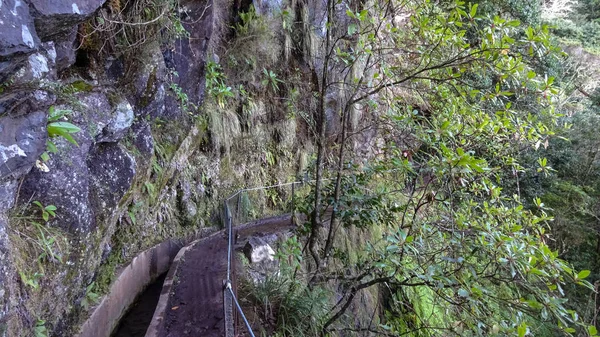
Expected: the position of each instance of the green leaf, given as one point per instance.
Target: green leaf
(592, 330)
(473, 10)
(522, 329)
(351, 29)
(63, 129)
(583, 274)
(50, 147)
(60, 127)
(392, 248)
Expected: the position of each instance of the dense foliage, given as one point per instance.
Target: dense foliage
(467, 101)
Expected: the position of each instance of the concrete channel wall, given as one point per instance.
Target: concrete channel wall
(132, 280)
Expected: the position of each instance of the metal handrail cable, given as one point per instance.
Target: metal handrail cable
(239, 308)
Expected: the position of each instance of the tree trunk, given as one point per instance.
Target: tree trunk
(338, 186)
(321, 143)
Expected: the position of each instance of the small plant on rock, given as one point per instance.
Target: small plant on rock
(91, 297)
(271, 80)
(40, 328)
(57, 127)
(215, 83)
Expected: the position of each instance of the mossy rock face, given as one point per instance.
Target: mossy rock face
(142, 171)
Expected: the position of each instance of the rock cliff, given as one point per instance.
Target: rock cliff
(173, 105)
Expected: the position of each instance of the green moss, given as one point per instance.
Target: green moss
(81, 86)
(107, 272)
(150, 91)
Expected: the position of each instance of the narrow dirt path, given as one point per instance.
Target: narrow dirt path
(195, 306)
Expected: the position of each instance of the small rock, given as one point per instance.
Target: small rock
(257, 250)
(262, 259)
(22, 141)
(119, 124)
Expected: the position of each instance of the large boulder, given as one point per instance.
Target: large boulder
(112, 170)
(86, 181)
(57, 17)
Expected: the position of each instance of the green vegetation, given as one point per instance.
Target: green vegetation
(575, 22)
(215, 83)
(57, 127)
(455, 157)
(468, 95)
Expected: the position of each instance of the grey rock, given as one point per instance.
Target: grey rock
(257, 250)
(112, 170)
(66, 185)
(142, 139)
(35, 69)
(85, 181)
(18, 37)
(38, 66)
(148, 88)
(18, 33)
(262, 259)
(22, 141)
(65, 50)
(8, 190)
(57, 17)
(120, 122)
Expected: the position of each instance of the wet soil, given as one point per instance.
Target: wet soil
(195, 305)
(137, 319)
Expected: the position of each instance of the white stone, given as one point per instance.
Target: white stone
(262, 254)
(124, 117)
(26, 36)
(39, 65)
(52, 52)
(8, 152)
(18, 4)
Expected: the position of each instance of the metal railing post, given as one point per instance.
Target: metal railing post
(228, 219)
(293, 210)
